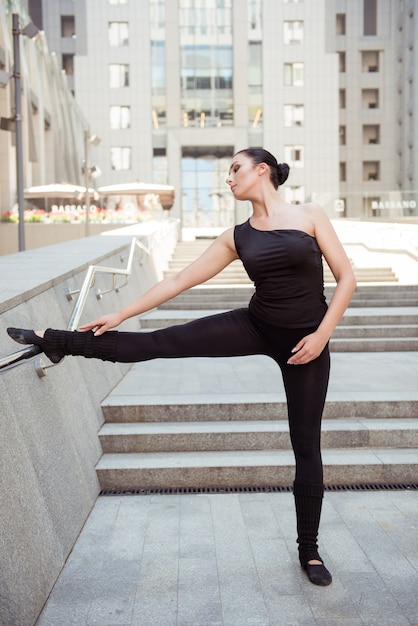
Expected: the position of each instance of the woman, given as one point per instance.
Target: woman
(281, 247)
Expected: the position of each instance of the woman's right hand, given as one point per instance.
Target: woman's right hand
(102, 324)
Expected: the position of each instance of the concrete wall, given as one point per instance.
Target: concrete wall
(40, 235)
(49, 443)
(382, 244)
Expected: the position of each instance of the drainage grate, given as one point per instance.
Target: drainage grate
(265, 489)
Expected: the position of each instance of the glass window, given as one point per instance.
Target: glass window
(341, 62)
(206, 62)
(255, 63)
(293, 74)
(206, 200)
(371, 134)
(294, 155)
(68, 64)
(370, 17)
(120, 158)
(370, 98)
(158, 83)
(118, 34)
(343, 172)
(120, 117)
(254, 19)
(160, 166)
(340, 24)
(118, 75)
(207, 17)
(294, 114)
(67, 26)
(292, 32)
(157, 20)
(342, 135)
(342, 98)
(371, 170)
(370, 61)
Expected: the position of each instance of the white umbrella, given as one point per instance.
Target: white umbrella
(165, 192)
(57, 192)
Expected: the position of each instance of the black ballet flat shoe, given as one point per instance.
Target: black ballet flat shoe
(318, 574)
(23, 336)
(29, 337)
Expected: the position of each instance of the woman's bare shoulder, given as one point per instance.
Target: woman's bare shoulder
(316, 214)
(227, 237)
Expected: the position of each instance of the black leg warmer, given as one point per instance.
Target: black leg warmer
(308, 503)
(58, 343)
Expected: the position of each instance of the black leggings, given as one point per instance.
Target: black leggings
(235, 333)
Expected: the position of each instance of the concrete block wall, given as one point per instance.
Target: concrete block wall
(49, 444)
(378, 243)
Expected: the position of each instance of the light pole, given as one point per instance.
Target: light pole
(15, 123)
(92, 140)
(18, 121)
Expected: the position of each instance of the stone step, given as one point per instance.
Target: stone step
(355, 333)
(186, 252)
(376, 316)
(370, 316)
(236, 275)
(369, 291)
(230, 296)
(190, 408)
(235, 302)
(374, 344)
(178, 263)
(376, 331)
(253, 435)
(251, 468)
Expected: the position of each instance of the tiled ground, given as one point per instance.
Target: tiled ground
(231, 560)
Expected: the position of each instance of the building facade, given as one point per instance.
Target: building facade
(175, 87)
(52, 122)
(378, 89)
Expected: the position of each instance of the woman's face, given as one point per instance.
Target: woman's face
(242, 177)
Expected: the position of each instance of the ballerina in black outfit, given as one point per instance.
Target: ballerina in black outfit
(281, 247)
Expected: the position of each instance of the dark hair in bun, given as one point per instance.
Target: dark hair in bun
(278, 171)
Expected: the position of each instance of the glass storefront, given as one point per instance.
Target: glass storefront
(206, 198)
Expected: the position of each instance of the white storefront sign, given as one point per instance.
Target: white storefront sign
(393, 204)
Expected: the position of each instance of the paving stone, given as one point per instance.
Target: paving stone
(231, 560)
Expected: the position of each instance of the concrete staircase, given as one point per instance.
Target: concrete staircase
(383, 315)
(380, 317)
(187, 436)
(187, 251)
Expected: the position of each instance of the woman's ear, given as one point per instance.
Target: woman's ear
(262, 169)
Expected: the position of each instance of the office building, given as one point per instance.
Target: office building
(175, 87)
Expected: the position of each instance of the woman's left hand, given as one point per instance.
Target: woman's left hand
(307, 349)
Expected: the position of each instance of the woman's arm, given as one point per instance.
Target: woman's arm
(311, 346)
(219, 254)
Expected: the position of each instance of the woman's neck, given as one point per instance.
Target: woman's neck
(267, 205)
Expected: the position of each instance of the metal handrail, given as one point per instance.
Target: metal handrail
(28, 352)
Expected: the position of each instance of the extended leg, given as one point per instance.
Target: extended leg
(225, 334)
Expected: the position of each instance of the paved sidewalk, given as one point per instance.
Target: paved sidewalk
(231, 560)
(355, 376)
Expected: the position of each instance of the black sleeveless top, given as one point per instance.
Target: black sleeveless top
(286, 268)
